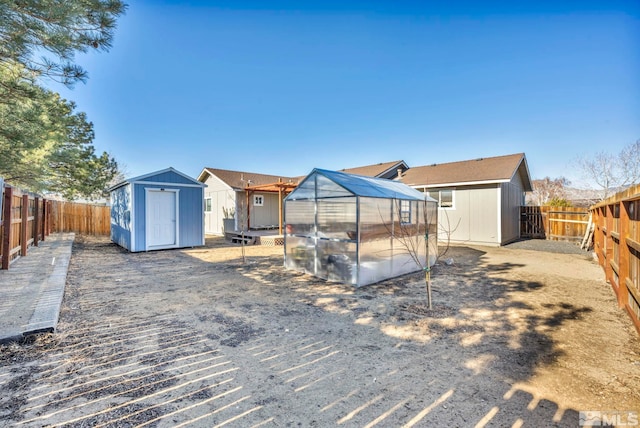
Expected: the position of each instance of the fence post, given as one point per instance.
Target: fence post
(1, 198)
(36, 220)
(24, 239)
(45, 218)
(608, 246)
(6, 236)
(623, 255)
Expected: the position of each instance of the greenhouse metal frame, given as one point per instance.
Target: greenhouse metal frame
(358, 230)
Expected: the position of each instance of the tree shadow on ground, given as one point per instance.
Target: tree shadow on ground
(308, 351)
(476, 318)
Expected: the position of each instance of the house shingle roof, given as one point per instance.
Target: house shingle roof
(373, 170)
(494, 169)
(235, 178)
(241, 179)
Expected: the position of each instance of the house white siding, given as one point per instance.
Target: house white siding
(474, 217)
(267, 214)
(512, 199)
(259, 215)
(223, 200)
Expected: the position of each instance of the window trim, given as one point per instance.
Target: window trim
(207, 204)
(428, 191)
(258, 200)
(405, 210)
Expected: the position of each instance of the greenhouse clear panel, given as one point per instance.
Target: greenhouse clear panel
(376, 231)
(337, 218)
(305, 190)
(300, 217)
(329, 189)
(300, 254)
(337, 261)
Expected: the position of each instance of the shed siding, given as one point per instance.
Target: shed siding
(140, 218)
(121, 216)
(191, 219)
(168, 177)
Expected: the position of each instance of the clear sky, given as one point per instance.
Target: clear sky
(281, 87)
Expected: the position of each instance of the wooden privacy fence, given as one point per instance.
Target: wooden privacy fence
(617, 246)
(24, 221)
(553, 223)
(86, 219)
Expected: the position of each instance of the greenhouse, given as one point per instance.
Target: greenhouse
(358, 230)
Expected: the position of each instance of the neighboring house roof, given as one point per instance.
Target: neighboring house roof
(240, 179)
(378, 170)
(499, 169)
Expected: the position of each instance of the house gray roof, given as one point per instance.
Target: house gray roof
(484, 170)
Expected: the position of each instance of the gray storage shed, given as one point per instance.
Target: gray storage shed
(159, 210)
(356, 229)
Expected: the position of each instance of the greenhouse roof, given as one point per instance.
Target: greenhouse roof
(353, 185)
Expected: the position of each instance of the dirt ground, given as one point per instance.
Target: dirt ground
(197, 338)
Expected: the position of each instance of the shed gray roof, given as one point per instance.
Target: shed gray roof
(188, 179)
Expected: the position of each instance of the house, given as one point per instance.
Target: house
(227, 198)
(158, 210)
(479, 199)
(358, 230)
(254, 200)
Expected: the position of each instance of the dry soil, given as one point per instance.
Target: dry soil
(198, 337)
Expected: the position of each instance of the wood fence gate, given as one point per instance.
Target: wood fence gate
(553, 223)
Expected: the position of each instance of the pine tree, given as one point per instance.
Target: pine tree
(44, 35)
(45, 146)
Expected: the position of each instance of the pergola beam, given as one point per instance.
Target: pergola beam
(282, 189)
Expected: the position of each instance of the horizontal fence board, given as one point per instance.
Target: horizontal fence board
(546, 222)
(86, 219)
(21, 223)
(617, 241)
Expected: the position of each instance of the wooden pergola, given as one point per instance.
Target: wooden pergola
(281, 188)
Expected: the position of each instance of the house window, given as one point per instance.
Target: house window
(258, 200)
(444, 197)
(207, 205)
(405, 212)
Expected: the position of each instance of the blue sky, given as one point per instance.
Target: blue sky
(282, 87)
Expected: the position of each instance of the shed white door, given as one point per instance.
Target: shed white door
(161, 218)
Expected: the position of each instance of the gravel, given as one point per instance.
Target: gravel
(562, 247)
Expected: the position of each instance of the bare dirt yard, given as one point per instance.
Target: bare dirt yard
(197, 338)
